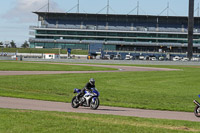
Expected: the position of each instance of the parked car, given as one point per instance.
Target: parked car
(176, 58)
(141, 57)
(153, 58)
(106, 57)
(129, 57)
(117, 57)
(185, 59)
(195, 59)
(161, 58)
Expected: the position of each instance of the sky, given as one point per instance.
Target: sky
(16, 15)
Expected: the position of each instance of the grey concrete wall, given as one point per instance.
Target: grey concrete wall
(142, 62)
(6, 58)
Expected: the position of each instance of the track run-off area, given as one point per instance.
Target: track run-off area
(18, 103)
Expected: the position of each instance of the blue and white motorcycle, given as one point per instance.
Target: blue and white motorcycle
(197, 108)
(90, 99)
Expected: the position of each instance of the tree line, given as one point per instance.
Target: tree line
(12, 44)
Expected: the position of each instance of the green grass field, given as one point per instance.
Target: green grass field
(26, 121)
(28, 66)
(35, 50)
(173, 90)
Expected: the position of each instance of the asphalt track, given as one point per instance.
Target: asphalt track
(17, 103)
(120, 69)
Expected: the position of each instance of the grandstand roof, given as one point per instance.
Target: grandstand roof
(151, 19)
(106, 15)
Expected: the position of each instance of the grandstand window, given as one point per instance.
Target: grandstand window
(91, 33)
(152, 35)
(131, 35)
(71, 32)
(56, 37)
(129, 40)
(41, 32)
(51, 32)
(61, 32)
(101, 34)
(142, 35)
(122, 34)
(112, 34)
(44, 37)
(101, 39)
(182, 36)
(90, 38)
(183, 41)
(196, 37)
(163, 35)
(196, 41)
(171, 36)
(113, 39)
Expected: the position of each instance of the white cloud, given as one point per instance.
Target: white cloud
(22, 10)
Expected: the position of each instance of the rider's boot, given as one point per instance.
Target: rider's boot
(78, 98)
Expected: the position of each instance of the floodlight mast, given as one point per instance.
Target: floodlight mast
(78, 6)
(190, 29)
(197, 10)
(138, 6)
(48, 6)
(108, 6)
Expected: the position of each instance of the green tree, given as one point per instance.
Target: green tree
(1, 44)
(13, 44)
(25, 45)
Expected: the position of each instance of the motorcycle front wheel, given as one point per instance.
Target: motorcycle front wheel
(75, 102)
(197, 111)
(94, 104)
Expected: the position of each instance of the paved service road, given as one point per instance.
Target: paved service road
(17, 103)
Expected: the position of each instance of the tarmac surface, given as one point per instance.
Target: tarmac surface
(17, 103)
(120, 69)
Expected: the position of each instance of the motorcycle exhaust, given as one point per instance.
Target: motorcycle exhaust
(197, 103)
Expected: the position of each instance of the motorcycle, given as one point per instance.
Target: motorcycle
(90, 99)
(197, 108)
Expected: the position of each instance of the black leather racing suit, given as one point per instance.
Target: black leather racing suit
(87, 87)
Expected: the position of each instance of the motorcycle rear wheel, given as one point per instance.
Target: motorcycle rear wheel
(197, 111)
(74, 103)
(95, 105)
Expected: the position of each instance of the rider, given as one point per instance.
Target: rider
(88, 86)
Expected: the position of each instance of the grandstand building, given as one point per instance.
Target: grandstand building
(115, 32)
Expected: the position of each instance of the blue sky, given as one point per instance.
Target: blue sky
(16, 15)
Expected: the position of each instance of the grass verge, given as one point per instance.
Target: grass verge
(19, 121)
